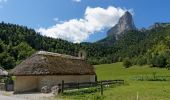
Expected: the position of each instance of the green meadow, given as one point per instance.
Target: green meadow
(141, 83)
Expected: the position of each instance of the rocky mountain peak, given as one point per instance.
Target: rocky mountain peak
(124, 24)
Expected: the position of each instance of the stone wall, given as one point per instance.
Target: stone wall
(25, 83)
(35, 83)
(55, 80)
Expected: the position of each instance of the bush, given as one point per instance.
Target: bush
(168, 63)
(127, 63)
(168, 66)
(158, 61)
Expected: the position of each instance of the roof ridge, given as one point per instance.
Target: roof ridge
(56, 54)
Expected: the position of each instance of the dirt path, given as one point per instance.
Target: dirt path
(9, 98)
(35, 96)
(29, 96)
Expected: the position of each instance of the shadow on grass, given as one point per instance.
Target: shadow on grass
(81, 91)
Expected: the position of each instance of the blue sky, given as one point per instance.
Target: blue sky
(73, 20)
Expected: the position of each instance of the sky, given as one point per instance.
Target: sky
(81, 20)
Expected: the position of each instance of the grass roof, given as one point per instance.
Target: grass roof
(48, 63)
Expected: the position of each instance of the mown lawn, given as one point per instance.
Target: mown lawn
(146, 90)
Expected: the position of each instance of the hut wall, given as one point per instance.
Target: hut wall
(55, 80)
(35, 83)
(25, 84)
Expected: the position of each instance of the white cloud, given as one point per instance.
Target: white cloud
(76, 0)
(78, 30)
(56, 19)
(1, 3)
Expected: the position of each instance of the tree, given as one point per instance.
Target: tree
(6, 61)
(24, 50)
(2, 46)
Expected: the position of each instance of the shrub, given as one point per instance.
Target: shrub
(168, 66)
(158, 61)
(168, 63)
(127, 63)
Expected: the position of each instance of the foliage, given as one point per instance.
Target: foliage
(141, 60)
(158, 61)
(8, 80)
(127, 63)
(6, 60)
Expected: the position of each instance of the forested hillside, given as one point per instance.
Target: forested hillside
(148, 47)
(19, 42)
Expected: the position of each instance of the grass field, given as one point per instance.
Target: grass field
(133, 89)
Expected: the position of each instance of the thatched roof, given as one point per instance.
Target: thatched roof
(47, 63)
(3, 72)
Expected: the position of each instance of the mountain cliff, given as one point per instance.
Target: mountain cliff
(124, 24)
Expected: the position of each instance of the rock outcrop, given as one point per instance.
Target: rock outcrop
(124, 24)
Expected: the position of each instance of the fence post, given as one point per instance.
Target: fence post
(78, 85)
(95, 78)
(137, 96)
(101, 86)
(62, 86)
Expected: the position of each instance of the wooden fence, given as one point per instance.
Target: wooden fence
(69, 86)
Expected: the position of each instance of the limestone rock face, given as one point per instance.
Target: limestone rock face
(124, 24)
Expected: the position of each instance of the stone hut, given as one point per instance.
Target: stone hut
(49, 69)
